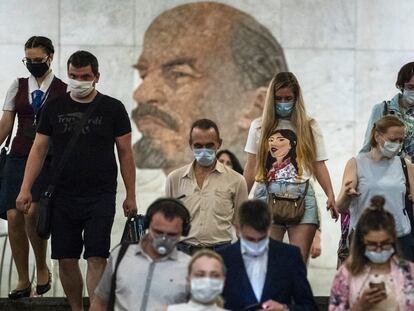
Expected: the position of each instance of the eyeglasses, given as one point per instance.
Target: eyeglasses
(373, 246)
(37, 60)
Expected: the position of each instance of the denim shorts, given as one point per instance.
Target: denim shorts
(13, 178)
(311, 208)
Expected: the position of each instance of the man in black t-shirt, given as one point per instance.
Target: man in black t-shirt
(84, 198)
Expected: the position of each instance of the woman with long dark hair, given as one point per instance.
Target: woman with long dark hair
(229, 158)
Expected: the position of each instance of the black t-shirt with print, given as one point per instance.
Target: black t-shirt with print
(91, 167)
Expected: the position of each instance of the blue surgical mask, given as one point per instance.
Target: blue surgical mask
(379, 257)
(254, 249)
(284, 109)
(205, 156)
(408, 96)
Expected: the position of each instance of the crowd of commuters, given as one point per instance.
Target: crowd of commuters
(239, 261)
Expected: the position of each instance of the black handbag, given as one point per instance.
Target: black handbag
(44, 216)
(3, 157)
(134, 229)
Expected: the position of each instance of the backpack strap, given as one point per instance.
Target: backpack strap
(408, 204)
(121, 253)
(385, 109)
(407, 180)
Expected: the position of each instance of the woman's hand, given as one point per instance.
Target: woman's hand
(330, 206)
(369, 298)
(316, 249)
(350, 191)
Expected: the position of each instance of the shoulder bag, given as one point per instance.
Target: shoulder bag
(43, 223)
(285, 209)
(3, 157)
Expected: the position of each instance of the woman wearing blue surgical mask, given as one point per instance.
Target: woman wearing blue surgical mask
(24, 102)
(401, 106)
(206, 275)
(380, 172)
(300, 154)
(374, 277)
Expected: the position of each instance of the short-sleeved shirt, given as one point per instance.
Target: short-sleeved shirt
(91, 167)
(290, 169)
(9, 103)
(212, 207)
(165, 280)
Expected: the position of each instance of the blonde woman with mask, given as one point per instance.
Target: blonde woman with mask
(285, 110)
(206, 274)
(380, 172)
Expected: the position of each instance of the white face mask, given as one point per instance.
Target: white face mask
(379, 257)
(408, 96)
(254, 249)
(206, 290)
(80, 89)
(390, 149)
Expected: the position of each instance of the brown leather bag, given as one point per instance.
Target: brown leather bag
(287, 210)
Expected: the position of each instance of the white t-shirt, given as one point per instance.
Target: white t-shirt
(253, 140)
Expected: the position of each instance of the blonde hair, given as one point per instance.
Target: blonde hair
(209, 254)
(302, 124)
(382, 126)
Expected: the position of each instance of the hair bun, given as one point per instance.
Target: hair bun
(378, 201)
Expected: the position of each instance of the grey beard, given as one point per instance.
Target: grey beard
(146, 156)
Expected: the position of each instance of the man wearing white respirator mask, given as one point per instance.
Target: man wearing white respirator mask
(262, 273)
(151, 275)
(84, 192)
(211, 191)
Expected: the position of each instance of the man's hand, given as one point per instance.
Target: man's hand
(272, 305)
(23, 201)
(130, 207)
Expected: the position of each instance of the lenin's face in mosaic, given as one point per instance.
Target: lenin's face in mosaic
(195, 64)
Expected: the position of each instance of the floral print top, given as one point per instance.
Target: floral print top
(347, 288)
(284, 171)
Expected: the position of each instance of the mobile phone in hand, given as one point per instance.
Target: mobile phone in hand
(379, 286)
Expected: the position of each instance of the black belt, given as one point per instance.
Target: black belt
(192, 248)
